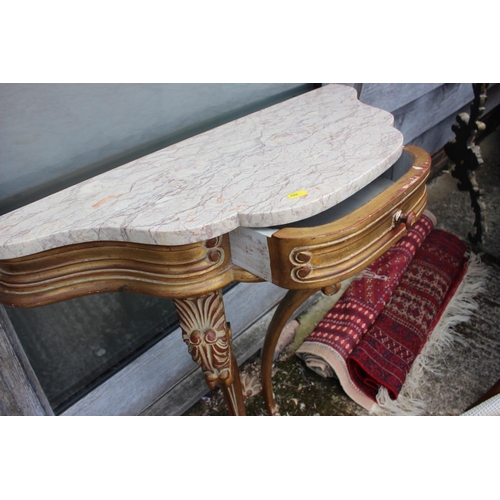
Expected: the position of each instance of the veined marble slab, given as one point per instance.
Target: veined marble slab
(278, 165)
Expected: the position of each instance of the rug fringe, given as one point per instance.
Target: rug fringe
(460, 309)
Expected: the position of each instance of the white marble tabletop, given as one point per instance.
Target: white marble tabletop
(278, 165)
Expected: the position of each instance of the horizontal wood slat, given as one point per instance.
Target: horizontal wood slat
(433, 139)
(20, 391)
(424, 113)
(392, 96)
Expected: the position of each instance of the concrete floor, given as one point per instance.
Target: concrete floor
(468, 369)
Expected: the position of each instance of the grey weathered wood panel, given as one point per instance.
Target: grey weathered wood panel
(422, 114)
(421, 108)
(435, 138)
(162, 367)
(392, 96)
(20, 391)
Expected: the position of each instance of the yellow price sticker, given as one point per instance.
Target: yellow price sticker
(297, 194)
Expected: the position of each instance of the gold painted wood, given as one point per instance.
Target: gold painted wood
(208, 337)
(291, 302)
(76, 270)
(307, 259)
(303, 260)
(311, 257)
(300, 257)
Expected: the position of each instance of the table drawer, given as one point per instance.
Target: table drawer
(315, 256)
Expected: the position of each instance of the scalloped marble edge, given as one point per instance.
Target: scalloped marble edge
(324, 143)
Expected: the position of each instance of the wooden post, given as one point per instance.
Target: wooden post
(20, 391)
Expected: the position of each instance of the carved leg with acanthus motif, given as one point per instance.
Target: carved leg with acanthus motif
(208, 337)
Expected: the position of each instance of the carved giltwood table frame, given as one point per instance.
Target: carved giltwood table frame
(192, 275)
(107, 248)
(319, 258)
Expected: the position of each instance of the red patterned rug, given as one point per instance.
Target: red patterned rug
(373, 335)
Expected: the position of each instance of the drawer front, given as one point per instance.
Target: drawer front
(317, 257)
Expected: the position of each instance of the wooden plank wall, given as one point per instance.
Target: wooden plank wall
(424, 112)
(434, 138)
(20, 391)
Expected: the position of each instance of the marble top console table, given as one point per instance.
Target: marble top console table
(303, 194)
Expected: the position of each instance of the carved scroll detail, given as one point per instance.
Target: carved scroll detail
(334, 259)
(108, 266)
(207, 335)
(215, 251)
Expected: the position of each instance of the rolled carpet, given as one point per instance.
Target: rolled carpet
(334, 339)
(385, 354)
(394, 320)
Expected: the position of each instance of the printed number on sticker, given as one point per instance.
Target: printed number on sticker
(297, 194)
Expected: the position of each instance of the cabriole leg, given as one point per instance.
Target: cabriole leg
(291, 302)
(208, 337)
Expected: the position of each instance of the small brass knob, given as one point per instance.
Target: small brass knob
(407, 219)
